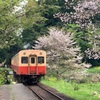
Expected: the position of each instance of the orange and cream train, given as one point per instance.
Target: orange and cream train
(29, 65)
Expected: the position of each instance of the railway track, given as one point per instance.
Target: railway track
(43, 93)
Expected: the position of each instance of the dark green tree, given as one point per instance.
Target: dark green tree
(14, 18)
(8, 22)
(47, 9)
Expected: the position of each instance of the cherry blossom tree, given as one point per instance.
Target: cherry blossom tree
(62, 52)
(81, 12)
(84, 13)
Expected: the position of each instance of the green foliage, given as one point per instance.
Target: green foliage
(3, 75)
(52, 79)
(94, 62)
(2, 55)
(94, 70)
(45, 10)
(86, 91)
(86, 38)
(80, 36)
(8, 22)
(32, 14)
(10, 49)
(48, 9)
(13, 22)
(32, 33)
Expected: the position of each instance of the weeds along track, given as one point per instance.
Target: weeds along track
(43, 93)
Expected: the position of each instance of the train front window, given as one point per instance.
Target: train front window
(24, 60)
(40, 60)
(32, 60)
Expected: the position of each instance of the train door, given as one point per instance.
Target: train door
(32, 65)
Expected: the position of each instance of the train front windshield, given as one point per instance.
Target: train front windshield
(24, 60)
(40, 60)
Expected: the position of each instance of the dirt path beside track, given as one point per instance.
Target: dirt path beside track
(16, 92)
(5, 93)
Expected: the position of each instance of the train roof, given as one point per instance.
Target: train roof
(29, 50)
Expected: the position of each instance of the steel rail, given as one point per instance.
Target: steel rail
(40, 97)
(51, 92)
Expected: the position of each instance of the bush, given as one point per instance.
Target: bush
(3, 75)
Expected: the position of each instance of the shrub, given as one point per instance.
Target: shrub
(3, 75)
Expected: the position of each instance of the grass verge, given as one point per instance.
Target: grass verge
(85, 91)
(94, 70)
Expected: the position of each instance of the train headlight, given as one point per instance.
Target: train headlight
(24, 53)
(40, 53)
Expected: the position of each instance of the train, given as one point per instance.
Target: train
(29, 65)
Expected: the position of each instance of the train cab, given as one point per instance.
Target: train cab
(29, 63)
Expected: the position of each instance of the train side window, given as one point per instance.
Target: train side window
(40, 60)
(32, 60)
(24, 60)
